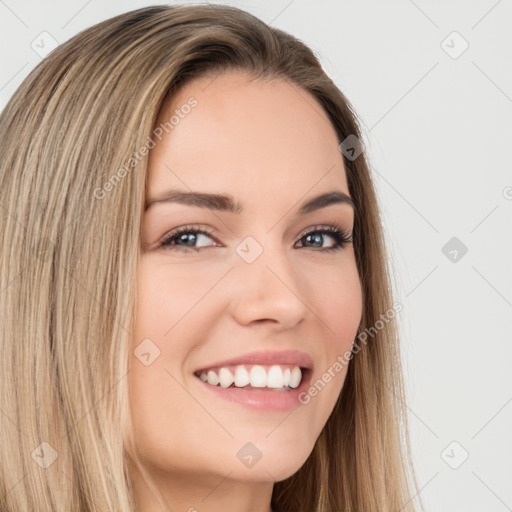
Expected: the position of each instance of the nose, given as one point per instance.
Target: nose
(268, 290)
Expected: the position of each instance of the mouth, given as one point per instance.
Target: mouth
(267, 380)
(275, 388)
(276, 377)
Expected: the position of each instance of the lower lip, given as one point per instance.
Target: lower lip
(261, 398)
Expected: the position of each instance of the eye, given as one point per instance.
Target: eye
(317, 236)
(189, 238)
(186, 239)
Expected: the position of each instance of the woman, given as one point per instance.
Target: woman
(196, 309)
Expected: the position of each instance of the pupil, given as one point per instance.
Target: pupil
(317, 237)
(188, 238)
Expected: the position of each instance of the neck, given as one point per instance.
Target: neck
(201, 493)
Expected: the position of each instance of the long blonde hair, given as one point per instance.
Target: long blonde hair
(70, 255)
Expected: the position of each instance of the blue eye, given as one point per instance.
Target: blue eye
(188, 236)
(341, 237)
(185, 239)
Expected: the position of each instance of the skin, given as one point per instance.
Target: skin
(270, 146)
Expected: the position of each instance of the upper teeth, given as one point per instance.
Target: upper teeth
(258, 377)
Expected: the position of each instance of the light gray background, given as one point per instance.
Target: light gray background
(438, 128)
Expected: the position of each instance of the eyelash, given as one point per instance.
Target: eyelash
(340, 236)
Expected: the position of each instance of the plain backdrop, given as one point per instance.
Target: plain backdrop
(432, 84)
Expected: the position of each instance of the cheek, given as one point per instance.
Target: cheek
(168, 295)
(171, 318)
(344, 307)
(335, 296)
(165, 300)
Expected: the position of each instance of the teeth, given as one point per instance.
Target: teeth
(213, 379)
(257, 377)
(275, 377)
(241, 377)
(225, 378)
(286, 377)
(295, 377)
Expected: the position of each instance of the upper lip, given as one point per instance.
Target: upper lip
(267, 357)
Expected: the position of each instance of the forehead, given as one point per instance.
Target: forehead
(232, 133)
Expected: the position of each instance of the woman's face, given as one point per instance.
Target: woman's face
(261, 285)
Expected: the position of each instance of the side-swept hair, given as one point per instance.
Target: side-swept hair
(69, 260)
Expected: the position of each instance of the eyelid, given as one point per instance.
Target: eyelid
(206, 230)
(338, 231)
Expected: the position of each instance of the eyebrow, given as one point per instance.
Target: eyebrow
(226, 203)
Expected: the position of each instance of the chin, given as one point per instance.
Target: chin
(276, 466)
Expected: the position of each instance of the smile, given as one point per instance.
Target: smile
(257, 387)
(282, 377)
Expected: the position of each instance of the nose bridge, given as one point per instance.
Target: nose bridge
(268, 287)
